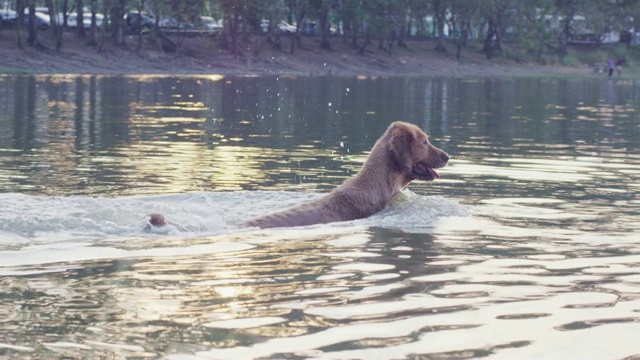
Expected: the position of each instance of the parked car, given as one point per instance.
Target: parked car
(7, 16)
(137, 22)
(211, 24)
(286, 27)
(283, 26)
(10, 17)
(169, 22)
(40, 9)
(72, 19)
(43, 21)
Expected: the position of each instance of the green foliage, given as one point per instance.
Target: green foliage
(591, 57)
(620, 52)
(380, 15)
(571, 60)
(531, 30)
(520, 55)
(633, 53)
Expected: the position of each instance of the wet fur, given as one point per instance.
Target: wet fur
(387, 170)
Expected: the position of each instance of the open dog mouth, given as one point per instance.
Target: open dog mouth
(424, 172)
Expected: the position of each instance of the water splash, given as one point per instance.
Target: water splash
(44, 219)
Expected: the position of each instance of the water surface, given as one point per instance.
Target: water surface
(527, 247)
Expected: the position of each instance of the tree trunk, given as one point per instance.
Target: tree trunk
(488, 40)
(295, 39)
(365, 42)
(462, 40)
(402, 33)
(93, 30)
(65, 13)
(229, 38)
(103, 38)
(32, 36)
(139, 46)
(80, 18)
(324, 28)
(346, 29)
(55, 27)
(422, 28)
(20, 10)
(117, 28)
(234, 33)
(439, 23)
(497, 46)
(564, 37)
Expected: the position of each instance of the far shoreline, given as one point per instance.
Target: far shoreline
(200, 57)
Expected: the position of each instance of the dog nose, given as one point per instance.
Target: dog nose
(445, 157)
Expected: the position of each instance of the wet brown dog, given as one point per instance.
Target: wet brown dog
(401, 155)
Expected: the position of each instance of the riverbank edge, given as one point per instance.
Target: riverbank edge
(202, 56)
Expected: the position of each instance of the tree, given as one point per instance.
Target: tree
(32, 30)
(403, 21)
(80, 18)
(567, 11)
(604, 17)
(117, 12)
(379, 19)
(65, 13)
(321, 10)
(159, 8)
(350, 15)
(20, 10)
(439, 10)
(462, 14)
(419, 10)
(273, 12)
(232, 10)
(299, 9)
(535, 32)
(626, 21)
(495, 13)
(93, 30)
(57, 31)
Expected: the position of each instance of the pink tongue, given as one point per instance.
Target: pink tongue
(433, 173)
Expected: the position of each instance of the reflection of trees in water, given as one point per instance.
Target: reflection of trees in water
(306, 109)
(312, 109)
(301, 129)
(116, 96)
(24, 98)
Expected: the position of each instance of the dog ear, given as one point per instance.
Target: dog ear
(400, 141)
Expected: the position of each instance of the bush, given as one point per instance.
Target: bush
(571, 60)
(591, 57)
(620, 52)
(517, 54)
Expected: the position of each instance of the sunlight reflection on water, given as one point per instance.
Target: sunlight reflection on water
(527, 247)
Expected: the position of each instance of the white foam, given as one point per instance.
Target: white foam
(32, 220)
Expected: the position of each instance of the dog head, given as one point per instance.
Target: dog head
(411, 152)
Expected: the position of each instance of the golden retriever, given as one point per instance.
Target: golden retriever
(401, 155)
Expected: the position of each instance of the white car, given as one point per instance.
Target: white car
(283, 26)
(286, 27)
(72, 20)
(7, 14)
(42, 20)
(211, 24)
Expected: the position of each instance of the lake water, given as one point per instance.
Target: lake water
(527, 247)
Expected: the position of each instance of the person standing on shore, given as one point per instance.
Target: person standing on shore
(611, 67)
